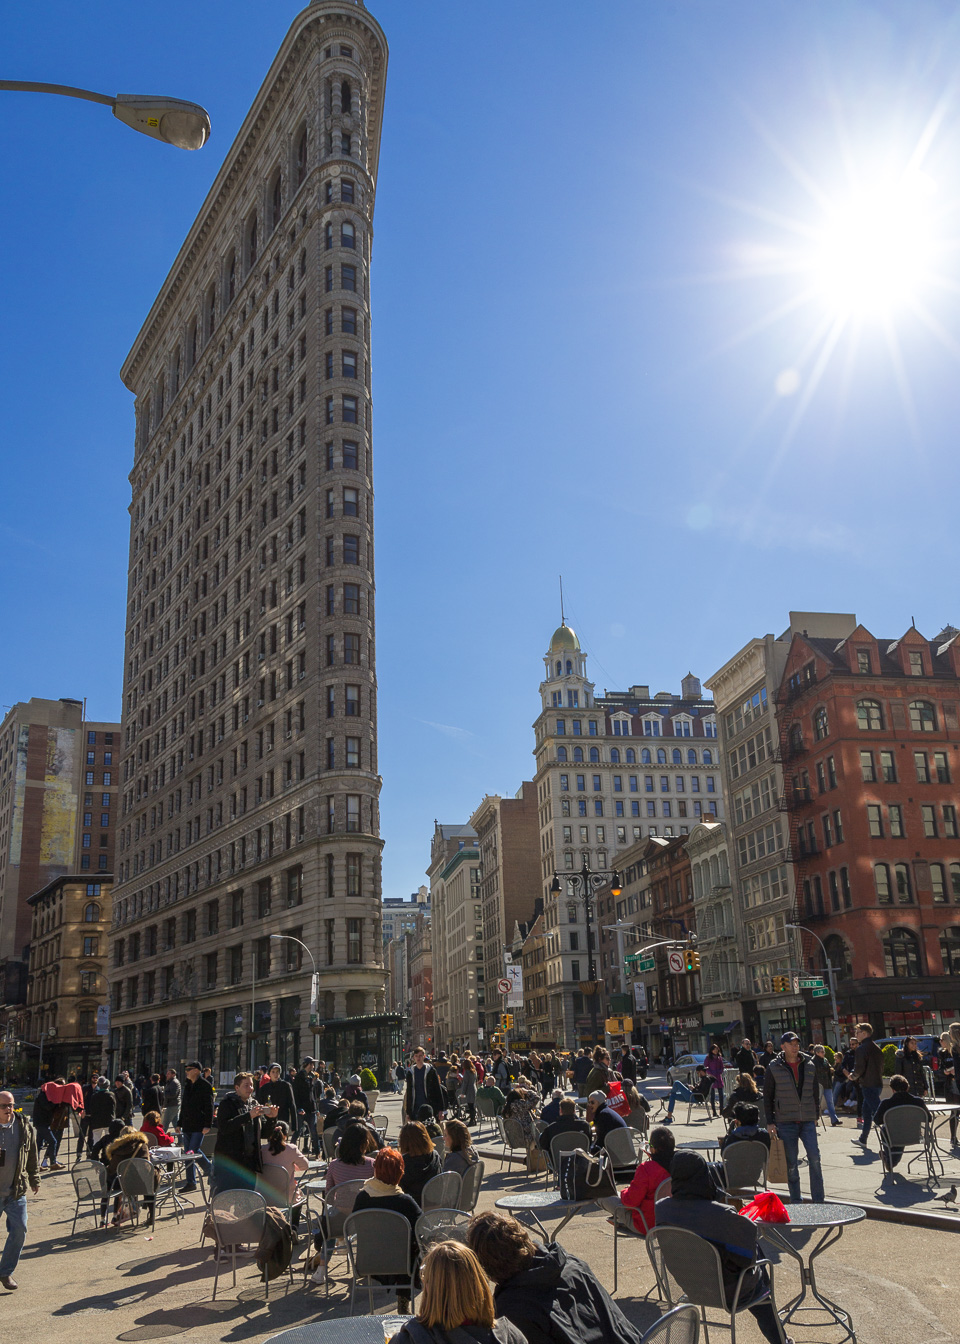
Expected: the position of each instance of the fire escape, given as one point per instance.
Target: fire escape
(798, 795)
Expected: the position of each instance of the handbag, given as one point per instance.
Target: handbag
(584, 1177)
(777, 1162)
(536, 1162)
(766, 1207)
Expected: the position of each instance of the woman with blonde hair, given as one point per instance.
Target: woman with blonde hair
(456, 1305)
(948, 1059)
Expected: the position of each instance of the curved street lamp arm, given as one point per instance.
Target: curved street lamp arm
(65, 90)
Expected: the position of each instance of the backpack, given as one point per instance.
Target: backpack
(583, 1177)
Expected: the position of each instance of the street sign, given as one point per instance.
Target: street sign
(676, 962)
(820, 993)
(504, 986)
(811, 982)
(647, 964)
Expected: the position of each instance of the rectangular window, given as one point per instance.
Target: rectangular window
(942, 767)
(576, 728)
(867, 771)
(831, 772)
(353, 812)
(950, 821)
(875, 820)
(929, 816)
(895, 815)
(351, 649)
(922, 768)
(355, 941)
(350, 410)
(916, 663)
(888, 767)
(863, 660)
(348, 278)
(354, 874)
(351, 550)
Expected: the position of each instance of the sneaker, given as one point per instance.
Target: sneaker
(668, 1120)
(319, 1275)
(835, 1123)
(44, 1164)
(186, 1189)
(862, 1142)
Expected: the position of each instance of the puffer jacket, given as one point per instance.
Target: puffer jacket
(787, 1102)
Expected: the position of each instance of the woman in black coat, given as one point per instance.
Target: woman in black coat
(276, 1091)
(421, 1161)
(910, 1066)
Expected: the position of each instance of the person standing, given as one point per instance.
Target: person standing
(714, 1065)
(825, 1079)
(910, 1066)
(867, 1073)
(628, 1065)
(237, 1157)
(123, 1102)
(153, 1094)
(276, 1091)
(767, 1054)
(101, 1111)
(86, 1138)
(305, 1099)
(44, 1110)
(948, 1061)
(19, 1165)
(791, 1096)
(422, 1087)
(196, 1119)
(171, 1100)
(745, 1058)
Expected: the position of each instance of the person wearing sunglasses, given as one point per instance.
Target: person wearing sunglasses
(19, 1165)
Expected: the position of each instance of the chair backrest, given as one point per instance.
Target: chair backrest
(639, 1120)
(329, 1140)
(470, 1187)
(730, 1079)
(929, 1077)
(342, 1197)
(136, 1177)
(378, 1242)
(380, 1122)
(274, 1184)
(441, 1225)
(152, 1139)
(501, 1131)
(745, 1164)
(623, 1145)
(905, 1125)
(567, 1143)
(681, 1257)
(486, 1107)
(442, 1192)
(679, 1326)
(208, 1143)
(238, 1216)
(89, 1179)
(664, 1190)
(513, 1134)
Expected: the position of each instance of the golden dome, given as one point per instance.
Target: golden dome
(564, 638)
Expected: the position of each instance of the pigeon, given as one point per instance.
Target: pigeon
(949, 1198)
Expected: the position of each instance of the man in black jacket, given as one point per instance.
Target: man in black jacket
(196, 1119)
(237, 1157)
(603, 1119)
(422, 1087)
(693, 1204)
(305, 1099)
(745, 1058)
(123, 1102)
(153, 1095)
(867, 1073)
(900, 1096)
(567, 1124)
(548, 1294)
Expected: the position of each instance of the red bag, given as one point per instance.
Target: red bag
(617, 1101)
(766, 1208)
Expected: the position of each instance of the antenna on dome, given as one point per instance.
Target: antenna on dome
(562, 620)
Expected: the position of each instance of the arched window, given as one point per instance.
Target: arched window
(594, 755)
(561, 753)
(677, 756)
(901, 954)
(796, 737)
(252, 241)
(955, 881)
(559, 668)
(691, 757)
(661, 756)
(923, 716)
(838, 955)
(276, 201)
(708, 757)
(301, 169)
(950, 951)
(578, 754)
(881, 877)
(614, 755)
(231, 283)
(346, 97)
(348, 234)
(569, 667)
(645, 756)
(91, 913)
(631, 756)
(869, 716)
(821, 724)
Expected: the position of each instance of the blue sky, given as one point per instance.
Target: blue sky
(602, 343)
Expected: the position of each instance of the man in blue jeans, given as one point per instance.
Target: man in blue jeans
(868, 1075)
(791, 1095)
(19, 1164)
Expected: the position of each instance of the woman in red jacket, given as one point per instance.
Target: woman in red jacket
(151, 1125)
(647, 1177)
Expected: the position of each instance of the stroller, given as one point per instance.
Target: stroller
(455, 1108)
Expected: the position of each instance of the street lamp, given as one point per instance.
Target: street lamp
(185, 125)
(586, 884)
(315, 979)
(829, 965)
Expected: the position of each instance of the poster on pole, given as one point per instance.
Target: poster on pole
(514, 974)
(103, 1019)
(639, 996)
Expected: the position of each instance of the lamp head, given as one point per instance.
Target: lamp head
(185, 125)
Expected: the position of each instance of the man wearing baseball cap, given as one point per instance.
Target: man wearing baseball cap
(791, 1095)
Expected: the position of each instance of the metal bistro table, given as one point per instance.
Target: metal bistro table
(544, 1201)
(699, 1146)
(829, 1220)
(940, 1111)
(343, 1330)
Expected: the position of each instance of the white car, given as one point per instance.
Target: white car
(684, 1069)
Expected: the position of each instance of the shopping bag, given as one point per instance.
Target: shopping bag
(777, 1163)
(617, 1100)
(535, 1159)
(584, 1177)
(766, 1207)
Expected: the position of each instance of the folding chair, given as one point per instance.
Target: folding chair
(441, 1225)
(379, 1243)
(336, 1208)
(89, 1183)
(486, 1110)
(442, 1192)
(625, 1149)
(238, 1219)
(681, 1258)
(513, 1137)
(906, 1127)
(470, 1187)
(679, 1326)
(745, 1167)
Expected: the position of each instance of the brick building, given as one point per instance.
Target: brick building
(421, 983)
(870, 738)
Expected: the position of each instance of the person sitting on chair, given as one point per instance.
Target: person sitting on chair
(603, 1119)
(568, 1123)
(694, 1204)
(746, 1126)
(421, 1161)
(551, 1111)
(900, 1096)
(745, 1090)
(680, 1092)
(460, 1152)
(649, 1175)
(383, 1191)
(456, 1297)
(151, 1125)
(280, 1151)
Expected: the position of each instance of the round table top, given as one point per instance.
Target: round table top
(534, 1199)
(342, 1330)
(699, 1145)
(818, 1215)
(315, 1187)
(942, 1106)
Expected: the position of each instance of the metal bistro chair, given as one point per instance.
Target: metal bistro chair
(441, 1192)
(379, 1243)
(337, 1206)
(152, 1139)
(571, 1142)
(137, 1182)
(441, 1225)
(679, 1326)
(486, 1110)
(745, 1167)
(639, 1120)
(625, 1147)
(513, 1138)
(664, 1190)
(683, 1260)
(274, 1184)
(238, 1219)
(381, 1124)
(90, 1184)
(470, 1188)
(930, 1078)
(328, 1141)
(906, 1127)
(699, 1103)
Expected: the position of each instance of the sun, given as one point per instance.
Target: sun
(874, 248)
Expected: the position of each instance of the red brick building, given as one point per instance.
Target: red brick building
(870, 739)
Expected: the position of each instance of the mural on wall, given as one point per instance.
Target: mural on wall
(58, 827)
(19, 792)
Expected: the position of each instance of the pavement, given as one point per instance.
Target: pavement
(133, 1284)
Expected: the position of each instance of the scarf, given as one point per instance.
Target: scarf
(380, 1189)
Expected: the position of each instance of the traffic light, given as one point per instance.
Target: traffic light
(781, 984)
(692, 960)
(506, 1021)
